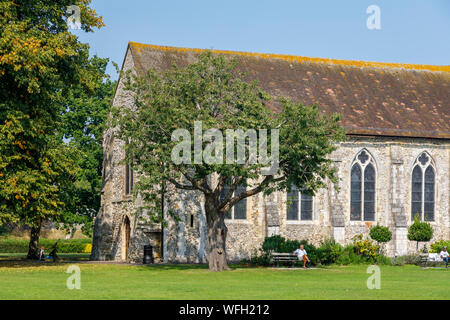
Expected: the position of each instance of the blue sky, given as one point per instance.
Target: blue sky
(412, 31)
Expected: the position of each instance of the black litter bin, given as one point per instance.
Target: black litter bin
(148, 255)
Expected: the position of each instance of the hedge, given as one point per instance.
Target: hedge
(64, 246)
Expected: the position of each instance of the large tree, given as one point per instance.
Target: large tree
(83, 122)
(213, 91)
(40, 63)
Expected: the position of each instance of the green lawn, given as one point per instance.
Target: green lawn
(25, 280)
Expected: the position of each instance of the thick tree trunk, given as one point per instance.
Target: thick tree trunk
(217, 235)
(33, 251)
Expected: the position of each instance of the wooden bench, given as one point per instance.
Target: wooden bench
(278, 257)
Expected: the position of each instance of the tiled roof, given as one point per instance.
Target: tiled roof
(374, 98)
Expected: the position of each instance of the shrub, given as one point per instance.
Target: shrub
(380, 234)
(64, 246)
(280, 244)
(382, 260)
(329, 251)
(349, 256)
(88, 248)
(408, 259)
(420, 231)
(273, 244)
(437, 246)
(365, 247)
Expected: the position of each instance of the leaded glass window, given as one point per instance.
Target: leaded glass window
(423, 188)
(362, 188)
(299, 203)
(239, 210)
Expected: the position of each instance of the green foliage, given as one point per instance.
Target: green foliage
(420, 231)
(407, 259)
(380, 234)
(213, 91)
(64, 246)
(365, 247)
(362, 251)
(282, 245)
(329, 252)
(349, 256)
(273, 244)
(41, 63)
(83, 123)
(439, 245)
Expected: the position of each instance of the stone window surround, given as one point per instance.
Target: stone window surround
(242, 221)
(429, 163)
(126, 196)
(370, 160)
(299, 220)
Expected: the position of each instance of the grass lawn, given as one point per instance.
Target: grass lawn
(28, 280)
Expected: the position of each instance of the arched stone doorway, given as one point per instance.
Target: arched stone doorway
(126, 230)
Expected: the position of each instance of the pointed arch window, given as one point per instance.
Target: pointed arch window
(423, 188)
(362, 188)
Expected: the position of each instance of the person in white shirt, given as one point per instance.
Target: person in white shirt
(444, 256)
(302, 255)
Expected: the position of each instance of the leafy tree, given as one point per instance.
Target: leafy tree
(420, 231)
(40, 63)
(212, 91)
(83, 123)
(380, 234)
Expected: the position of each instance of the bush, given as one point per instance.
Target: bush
(349, 256)
(380, 234)
(273, 244)
(365, 247)
(329, 251)
(408, 259)
(3, 230)
(420, 231)
(64, 246)
(437, 246)
(280, 244)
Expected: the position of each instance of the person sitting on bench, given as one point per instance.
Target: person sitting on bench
(302, 255)
(444, 256)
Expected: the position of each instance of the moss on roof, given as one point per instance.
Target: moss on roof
(377, 99)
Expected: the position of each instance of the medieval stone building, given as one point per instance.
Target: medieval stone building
(394, 164)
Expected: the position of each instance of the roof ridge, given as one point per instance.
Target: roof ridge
(301, 59)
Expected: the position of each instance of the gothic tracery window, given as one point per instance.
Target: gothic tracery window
(362, 189)
(422, 188)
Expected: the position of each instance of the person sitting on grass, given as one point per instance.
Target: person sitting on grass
(42, 254)
(444, 256)
(302, 255)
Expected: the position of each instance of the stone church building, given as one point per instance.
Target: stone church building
(394, 164)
